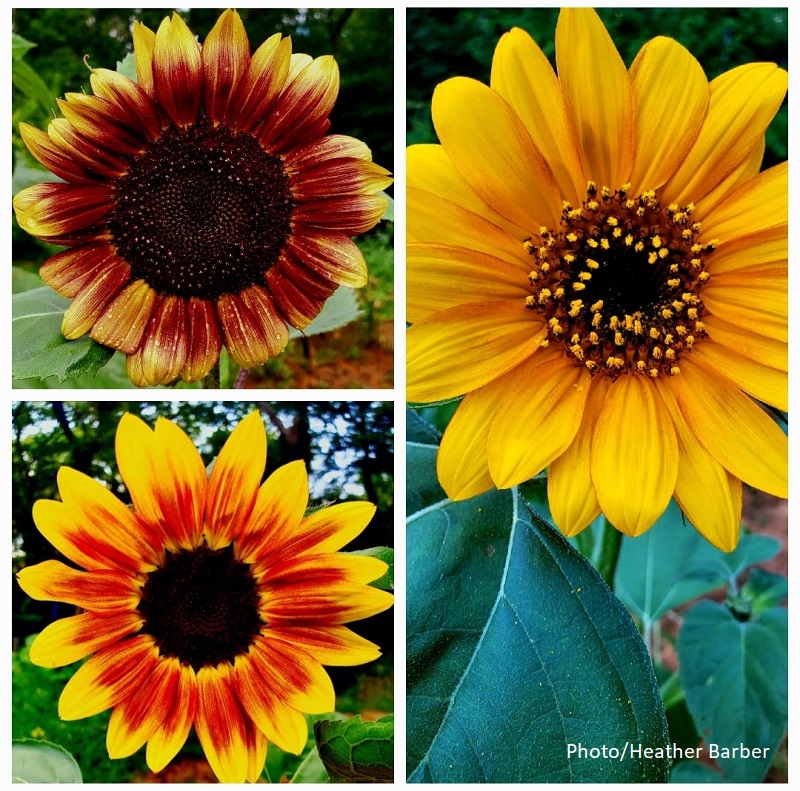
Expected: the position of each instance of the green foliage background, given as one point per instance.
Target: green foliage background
(448, 42)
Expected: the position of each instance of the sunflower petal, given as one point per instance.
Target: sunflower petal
(330, 255)
(671, 93)
(177, 71)
(167, 740)
(498, 160)
(204, 339)
(52, 156)
(329, 645)
(108, 677)
(69, 639)
(598, 95)
(137, 717)
(123, 322)
(165, 345)
(56, 209)
(92, 301)
(329, 529)
(266, 706)
(225, 56)
(165, 476)
(276, 516)
(107, 592)
(743, 101)
(234, 482)
(144, 42)
(73, 269)
(736, 432)
(769, 352)
(537, 420)
(706, 492)
(220, 724)
(485, 338)
(523, 76)
(570, 491)
(634, 455)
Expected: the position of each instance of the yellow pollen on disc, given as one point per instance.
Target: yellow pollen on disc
(639, 269)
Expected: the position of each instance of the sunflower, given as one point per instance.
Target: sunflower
(202, 204)
(597, 265)
(212, 602)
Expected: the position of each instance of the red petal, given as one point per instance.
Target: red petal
(165, 343)
(295, 305)
(123, 322)
(70, 271)
(331, 255)
(177, 71)
(351, 215)
(205, 340)
(225, 56)
(93, 298)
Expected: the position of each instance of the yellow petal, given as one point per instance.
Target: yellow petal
(428, 168)
(463, 348)
(736, 432)
(671, 92)
(442, 276)
(757, 300)
(537, 420)
(743, 102)
(144, 42)
(329, 645)
(759, 204)
(706, 492)
(746, 170)
(436, 220)
(177, 71)
(766, 351)
(462, 465)
(570, 491)
(329, 529)
(598, 95)
(762, 382)
(523, 76)
(766, 249)
(634, 455)
(490, 147)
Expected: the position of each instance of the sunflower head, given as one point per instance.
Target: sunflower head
(598, 250)
(202, 204)
(213, 602)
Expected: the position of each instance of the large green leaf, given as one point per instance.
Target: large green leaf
(34, 761)
(516, 647)
(355, 751)
(735, 674)
(39, 349)
(672, 564)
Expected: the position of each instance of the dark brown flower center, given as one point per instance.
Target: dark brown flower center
(619, 282)
(204, 211)
(201, 606)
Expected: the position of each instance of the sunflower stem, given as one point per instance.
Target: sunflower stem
(211, 380)
(241, 378)
(608, 552)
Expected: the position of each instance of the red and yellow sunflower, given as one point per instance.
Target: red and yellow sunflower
(213, 602)
(203, 204)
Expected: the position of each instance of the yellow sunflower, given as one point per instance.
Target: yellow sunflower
(202, 204)
(213, 602)
(596, 263)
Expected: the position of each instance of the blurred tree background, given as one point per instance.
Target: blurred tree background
(348, 451)
(449, 42)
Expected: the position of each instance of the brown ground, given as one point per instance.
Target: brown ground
(345, 358)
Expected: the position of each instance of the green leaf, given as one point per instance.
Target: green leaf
(311, 769)
(34, 761)
(694, 772)
(764, 590)
(38, 347)
(127, 66)
(355, 751)
(24, 280)
(386, 554)
(735, 674)
(669, 565)
(30, 84)
(341, 309)
(388, 215)
(751, 549)
(19, 46)
(516, 648)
